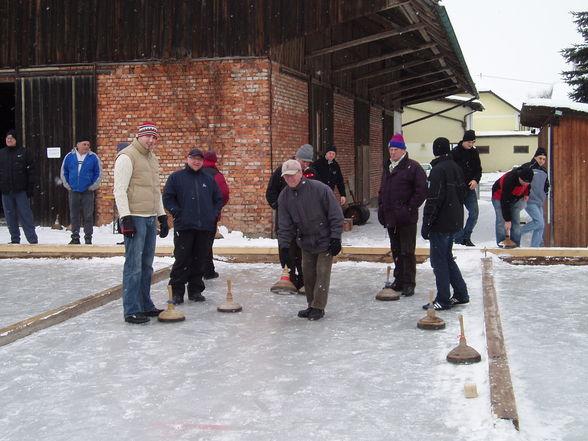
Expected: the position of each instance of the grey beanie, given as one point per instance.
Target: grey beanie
(305, 153)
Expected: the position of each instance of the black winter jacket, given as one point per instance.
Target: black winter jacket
(330, 174)
(277, 183)
(311, 214)
(443, 211)
(469, 162)
(193, 199)
(17, 171)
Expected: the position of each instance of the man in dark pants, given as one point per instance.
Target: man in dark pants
(442, 219)
(329, 172)
(311, 216)
(402, 191)
(195, 201)
(17, 183)
(468, 159)
(81, 172)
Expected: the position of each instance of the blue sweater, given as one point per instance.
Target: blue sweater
(193, 199)
(89, 175)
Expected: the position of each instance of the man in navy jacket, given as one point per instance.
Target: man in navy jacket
(81, 172)
(195, 202)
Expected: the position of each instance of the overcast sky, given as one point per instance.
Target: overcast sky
(515, 40)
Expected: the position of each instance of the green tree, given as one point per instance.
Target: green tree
(577, 56)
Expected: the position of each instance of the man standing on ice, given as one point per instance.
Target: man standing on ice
(138, 200)
(310, 215)
(442, 219)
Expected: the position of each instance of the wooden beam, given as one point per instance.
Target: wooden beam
(502, 398)
(388, 56)
(364, 40)
(416, 86)
(398, 68)
(410, 78)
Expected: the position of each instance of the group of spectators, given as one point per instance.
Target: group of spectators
(308, 214)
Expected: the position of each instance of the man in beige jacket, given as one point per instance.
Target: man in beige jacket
(138, 200)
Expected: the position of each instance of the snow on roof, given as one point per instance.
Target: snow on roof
(557, 103)
(506, 133)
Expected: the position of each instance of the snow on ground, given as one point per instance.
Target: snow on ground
(364, 372)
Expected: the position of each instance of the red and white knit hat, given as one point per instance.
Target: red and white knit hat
(147, 128)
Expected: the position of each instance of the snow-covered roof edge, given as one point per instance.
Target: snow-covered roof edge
(557, 103)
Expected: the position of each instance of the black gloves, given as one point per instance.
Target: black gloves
(425, 232)
(335, 247)
(163, 227)
(285, 257)
(127, 226)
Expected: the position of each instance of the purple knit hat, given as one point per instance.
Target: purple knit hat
(397, 141)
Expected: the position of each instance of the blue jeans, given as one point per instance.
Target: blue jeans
(537, 224)
(18, 208)
(471, 204)
(446, 271)
(515, 229)
(138, 268)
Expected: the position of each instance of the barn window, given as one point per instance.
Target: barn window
(521, 149)
(483, 149)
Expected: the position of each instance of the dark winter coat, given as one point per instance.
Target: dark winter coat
(330, 174)
(17, 171)
(211, 169)
(509, 191)
(402, 192)
(443, 211)
(311, 214)
(469, 162)
(193, 199)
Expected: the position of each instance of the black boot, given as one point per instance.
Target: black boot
(196, 296)
(316, 314)
(304, 313)
(74, 241)
(178, 294)
(408, 291)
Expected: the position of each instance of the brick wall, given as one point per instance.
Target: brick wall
(344, 136)
(375, 151)
(289, 116)
(220, 105)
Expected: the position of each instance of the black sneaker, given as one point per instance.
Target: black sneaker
(12, 242)
(153, 313)
(316, 314)
(137, 318)
(74, 242)
(468, 243)
(437, 306)
(408, 291)
(88, 241)
(196, 297)
(455, 301)
(304, 313)
(212, 275)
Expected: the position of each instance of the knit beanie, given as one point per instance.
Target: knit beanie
(397, 141)
(12, 133)
(82, 138)
(469, 135)
(147, 128)
(210, 155)
(305, 153)
(333, 148)
(440, 147)
(540, 151)
(525, 173)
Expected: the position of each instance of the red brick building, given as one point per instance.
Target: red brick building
(252, 80)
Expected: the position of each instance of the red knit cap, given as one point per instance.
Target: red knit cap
(147, 128)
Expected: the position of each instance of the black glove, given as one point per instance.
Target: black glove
(285, 257)
(163, 227)
(335, 247)
(425, 232)
(127, 226)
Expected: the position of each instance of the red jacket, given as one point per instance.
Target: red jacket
(210, 168)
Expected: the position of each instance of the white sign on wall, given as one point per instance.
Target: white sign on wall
(54, 152)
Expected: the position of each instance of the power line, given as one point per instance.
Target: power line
(513, 79)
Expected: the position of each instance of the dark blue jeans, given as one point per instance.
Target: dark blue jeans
(18, 208)
(445, 269)
(471, 204)
(138, 268)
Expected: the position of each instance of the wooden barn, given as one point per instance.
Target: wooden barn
(250, 79)
(564, 135)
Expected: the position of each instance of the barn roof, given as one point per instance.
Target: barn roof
(388, 52)
(539, 112)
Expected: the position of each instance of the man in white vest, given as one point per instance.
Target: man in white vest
(138, 200)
